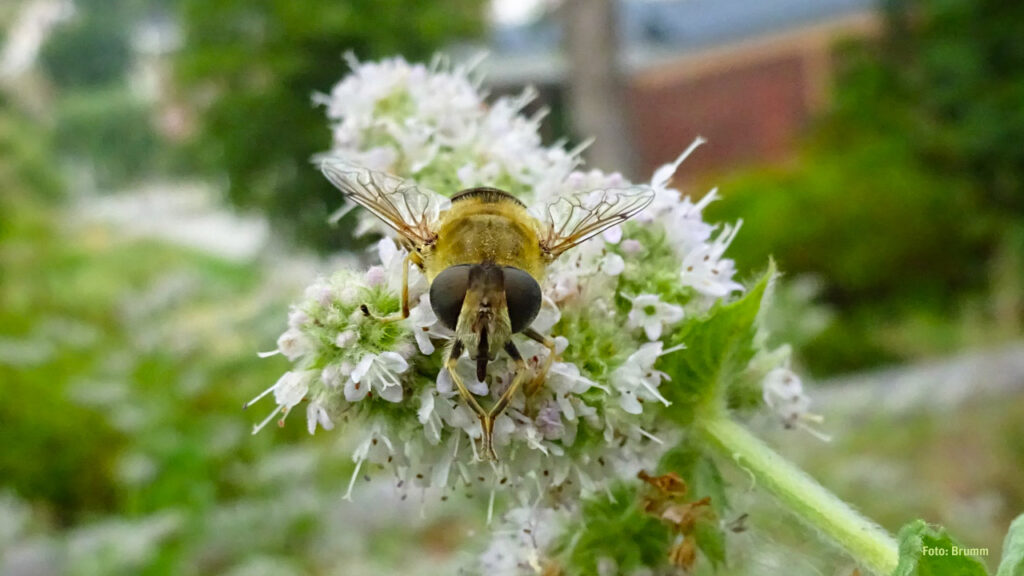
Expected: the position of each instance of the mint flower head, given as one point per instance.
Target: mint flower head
(607, 306)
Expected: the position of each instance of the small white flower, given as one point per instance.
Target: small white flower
(376, 276)
(375, 448)
(663, 175)
(414, 138)
(297, 318)
(684, 225)
(523, 541)
(393, 264)
(355, 390)
(317, 414)
(321, 292)
(783, 392)
(345, 338)
(293, 344)
(707, 271)
(549, 421)
(651, 314)
(377, 372)
(561, 343)
(389, 252)
(612, 235)
(335, 373)
(288, 391)
(429, 417)
(632, 247)
(349, 295)
(392, 259)
(425, 325)
(562, 286)
(613, 264)
(636, 378)
(291, 389)
(547, 317)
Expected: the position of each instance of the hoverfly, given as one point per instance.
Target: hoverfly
(484, 257)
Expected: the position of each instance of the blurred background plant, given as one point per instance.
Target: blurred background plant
(143, 143)
(251, 70)
(909, 190)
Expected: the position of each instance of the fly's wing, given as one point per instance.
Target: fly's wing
(411, 211)
(575, 218)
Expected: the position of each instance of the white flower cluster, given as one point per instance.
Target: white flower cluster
(610, 304)
(783, 392)
(432, 123)
(520, 545)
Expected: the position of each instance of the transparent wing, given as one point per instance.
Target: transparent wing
(407, 209)
(578, 217)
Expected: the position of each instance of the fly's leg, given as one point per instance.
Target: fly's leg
(410, 258)
(506, 397)
(486, 424)
(541, 376)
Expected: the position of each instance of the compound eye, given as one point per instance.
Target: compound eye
(447, 292)
(522, 293)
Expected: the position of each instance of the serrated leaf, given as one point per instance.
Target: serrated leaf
(700, 472)
(927, 550)
(719, 347)
(614, 526)
(1013, 550)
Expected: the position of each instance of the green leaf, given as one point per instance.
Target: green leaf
(718, 348)
(698, 469)
(708, 481)
(614, 526)
(927, 550)
(711, 541)
(1013, 550)
(702, 478)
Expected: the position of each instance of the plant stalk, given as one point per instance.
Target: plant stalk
(868, 543)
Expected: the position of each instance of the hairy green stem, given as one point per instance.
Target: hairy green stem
(865, 541)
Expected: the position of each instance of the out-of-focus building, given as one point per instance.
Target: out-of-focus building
(745, 75)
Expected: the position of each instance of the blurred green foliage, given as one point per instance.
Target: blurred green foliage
(26, 164)
(908, 192)
(124, 364)
(93, 48)
(110, 129)
(618, 529)
(961, 63)
(81, 312)
(103, 120)
(252, 67)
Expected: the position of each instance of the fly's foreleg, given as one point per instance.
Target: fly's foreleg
(410, 258)
(506, 397)
(541, 375)
(486, 424)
